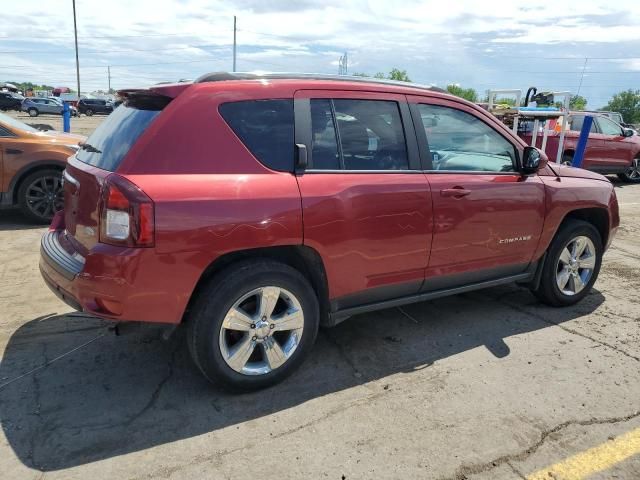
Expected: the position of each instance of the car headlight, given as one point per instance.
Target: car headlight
(75, 148)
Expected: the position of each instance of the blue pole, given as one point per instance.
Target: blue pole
(66, 118)
(582, 141)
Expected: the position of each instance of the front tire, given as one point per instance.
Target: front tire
(40, 195)
(632, 175)
(253, 324)
(567, 159)
(572, 264)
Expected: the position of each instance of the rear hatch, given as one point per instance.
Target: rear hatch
(100, 156)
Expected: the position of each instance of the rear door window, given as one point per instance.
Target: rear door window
(357, 135)
(266, 129)
(111, 141)
(576, 122)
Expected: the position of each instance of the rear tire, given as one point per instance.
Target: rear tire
(33, 112)
(632, 175)
(567, 159)
(231, 316)
(40, 195)
(572, 264)
(88, 112)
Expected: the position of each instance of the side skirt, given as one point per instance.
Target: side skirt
(341, 315)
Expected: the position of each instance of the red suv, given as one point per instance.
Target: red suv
(256, 208)
(610, 148)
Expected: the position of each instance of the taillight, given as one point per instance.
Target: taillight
(126, 214)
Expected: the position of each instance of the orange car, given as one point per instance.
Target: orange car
(31, 165)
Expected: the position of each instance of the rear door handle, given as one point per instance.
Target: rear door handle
(13, 151)
(457, 192)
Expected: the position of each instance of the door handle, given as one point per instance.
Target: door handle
(13, 151)
(457, 192)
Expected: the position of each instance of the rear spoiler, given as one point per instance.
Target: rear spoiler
(168, 90)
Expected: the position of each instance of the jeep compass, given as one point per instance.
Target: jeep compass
(255, 208)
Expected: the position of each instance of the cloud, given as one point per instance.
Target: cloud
(478, 45)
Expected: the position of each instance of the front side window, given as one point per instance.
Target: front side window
(266, 129)
(357, 135)
(459, 141)
(609, 127)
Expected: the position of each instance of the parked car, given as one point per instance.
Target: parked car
(254, 211)
(31, 164)
(10, 101)
(611, 148)
(34, 106)
(89, 106)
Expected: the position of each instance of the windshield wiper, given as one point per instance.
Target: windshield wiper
(89, 148)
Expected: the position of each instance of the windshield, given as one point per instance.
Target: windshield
(12, 123)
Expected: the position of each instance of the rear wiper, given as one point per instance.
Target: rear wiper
(89, 148)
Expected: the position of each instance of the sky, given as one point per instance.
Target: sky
(588, 46)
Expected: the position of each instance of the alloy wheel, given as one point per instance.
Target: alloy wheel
(261, 330)
(633, 172)
(575, 265)
(45, 196)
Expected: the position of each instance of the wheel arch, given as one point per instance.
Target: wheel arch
(24, 172)
(596, 216)
(301, 257)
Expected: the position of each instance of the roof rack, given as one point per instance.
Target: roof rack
(225, 76)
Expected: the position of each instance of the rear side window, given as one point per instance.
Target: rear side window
(112, 140)
(266, 129)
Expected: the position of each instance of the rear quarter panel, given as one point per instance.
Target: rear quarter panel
(211, 195)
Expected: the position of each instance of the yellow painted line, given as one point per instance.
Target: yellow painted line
(594, 460)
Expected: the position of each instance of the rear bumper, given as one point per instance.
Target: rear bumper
(116, 283)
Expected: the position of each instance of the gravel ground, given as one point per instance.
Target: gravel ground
(485, 385)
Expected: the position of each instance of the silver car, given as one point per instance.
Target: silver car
(34, 106)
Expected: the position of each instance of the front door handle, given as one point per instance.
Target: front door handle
(13, 151)
(457, 192)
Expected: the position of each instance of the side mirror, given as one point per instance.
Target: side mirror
(532, 160)
(627, 132)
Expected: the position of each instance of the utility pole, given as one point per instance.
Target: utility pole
(343, 65)
(75, 33)
(109, 77)
(234, 43)
(584, 67)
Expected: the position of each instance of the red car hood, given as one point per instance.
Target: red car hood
(566, 171)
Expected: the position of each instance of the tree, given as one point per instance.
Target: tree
(394, 74)
(627, 103)
(466, 93)
(577, 102)
(400, 75)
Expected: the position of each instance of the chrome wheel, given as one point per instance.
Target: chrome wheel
(261, 330)
(44, 196)
(575, 265)
(633, 172)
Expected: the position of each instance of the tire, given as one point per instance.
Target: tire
(632, 175)
(33, 112)
(43, 184)
(240, 288)
(88, 112)
(556, 270)
(567, 158)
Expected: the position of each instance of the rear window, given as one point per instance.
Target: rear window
(266, 129)
(109, 143)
